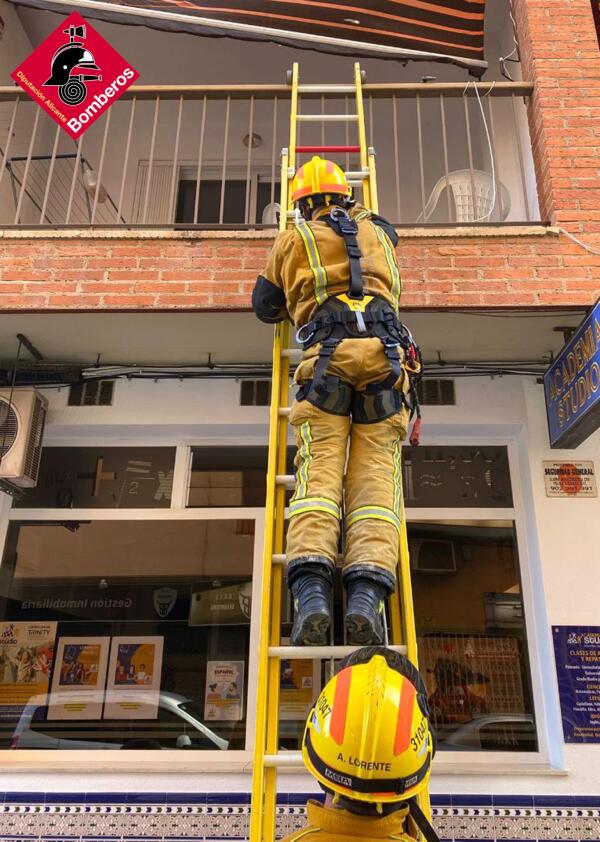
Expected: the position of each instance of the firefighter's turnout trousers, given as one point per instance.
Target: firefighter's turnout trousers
(372, 487)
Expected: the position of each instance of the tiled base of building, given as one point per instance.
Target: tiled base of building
(174, 817)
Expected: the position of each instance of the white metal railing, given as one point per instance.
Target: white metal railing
(208, 156)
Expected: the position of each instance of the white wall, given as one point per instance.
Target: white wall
(557, 542)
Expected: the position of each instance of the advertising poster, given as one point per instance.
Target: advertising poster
(26, 656)
(223, 697)
(577, 654)
(297, 688)
(79, 677)
(570, 479)
(134, 670)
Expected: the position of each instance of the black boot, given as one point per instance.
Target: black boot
(310, 580)
(367, 588)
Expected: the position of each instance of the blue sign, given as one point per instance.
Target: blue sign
(572, 386)
(577, 654)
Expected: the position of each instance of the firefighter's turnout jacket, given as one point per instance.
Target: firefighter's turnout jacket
(328, 824)
(306, 278)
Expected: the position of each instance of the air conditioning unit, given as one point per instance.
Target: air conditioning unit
(432, 555)
(22, 418)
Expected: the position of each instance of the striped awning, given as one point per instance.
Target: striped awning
(438, 30)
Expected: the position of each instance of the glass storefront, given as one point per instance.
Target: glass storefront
(133, 630)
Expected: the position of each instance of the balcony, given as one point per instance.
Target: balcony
(208, 156)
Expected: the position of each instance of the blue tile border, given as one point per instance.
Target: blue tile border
(224, 817)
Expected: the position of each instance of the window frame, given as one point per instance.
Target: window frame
(546, 760)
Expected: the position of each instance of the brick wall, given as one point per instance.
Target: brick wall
(560, 55)
(203, 271)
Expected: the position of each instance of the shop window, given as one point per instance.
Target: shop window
(471, 637)
(125, 635)
(103, 478)
(224, 477)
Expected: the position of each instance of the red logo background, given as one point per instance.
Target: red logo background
(37, 69)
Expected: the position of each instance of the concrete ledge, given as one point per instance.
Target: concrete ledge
(263, 234)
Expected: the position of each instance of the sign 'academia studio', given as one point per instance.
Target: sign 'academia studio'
(572, 386)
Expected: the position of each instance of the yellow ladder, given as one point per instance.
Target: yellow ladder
(267, 758)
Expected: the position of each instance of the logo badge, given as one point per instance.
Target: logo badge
(75, 75)
(164, 601)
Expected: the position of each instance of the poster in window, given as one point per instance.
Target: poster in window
(79, 677)
(223, 697)
(298, 687)
(134, 671)
(26, 657)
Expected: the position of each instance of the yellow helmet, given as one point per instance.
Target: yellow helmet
(319, 176)
(368, 738)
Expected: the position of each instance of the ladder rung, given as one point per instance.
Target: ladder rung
(319, 652)
(357, 173)
(328, 149)
(289, 480)
(355, 182)
(326, 118)
(284, 758)
(284, 411)
(326, 89)
(294, 354)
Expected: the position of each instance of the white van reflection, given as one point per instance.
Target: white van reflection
(175, 723)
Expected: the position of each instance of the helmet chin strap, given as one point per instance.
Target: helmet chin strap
(322, 200)
(362, 808)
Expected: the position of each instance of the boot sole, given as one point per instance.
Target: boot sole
(313, 632)
(360, 632)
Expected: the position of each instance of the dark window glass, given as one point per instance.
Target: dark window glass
(209, 201)
(103, 478)
(230, 476)
(471, 636)
(456, 477)
(183, 585)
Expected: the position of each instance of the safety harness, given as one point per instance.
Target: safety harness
(354, 315)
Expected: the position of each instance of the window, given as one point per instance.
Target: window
(236, 194)
(230, 476)
(148, 628)
(471, 633)
(143, 603)
(469, 614)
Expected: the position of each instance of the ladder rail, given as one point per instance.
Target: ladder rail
(267, 757)
(262, 690)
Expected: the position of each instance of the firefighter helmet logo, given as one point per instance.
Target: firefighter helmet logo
(75, 75)
(67, 63)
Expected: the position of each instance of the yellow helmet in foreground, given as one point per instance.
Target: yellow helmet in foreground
(319, 176)
(367, 737)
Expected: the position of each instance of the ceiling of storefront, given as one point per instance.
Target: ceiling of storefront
(188, 338)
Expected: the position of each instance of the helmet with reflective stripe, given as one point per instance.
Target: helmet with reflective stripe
(368, 737)
(319, 176)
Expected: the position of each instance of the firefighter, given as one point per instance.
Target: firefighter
(334, 274)
(368, 744)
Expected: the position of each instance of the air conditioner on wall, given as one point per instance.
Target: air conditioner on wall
(432, 555)
(22, 418)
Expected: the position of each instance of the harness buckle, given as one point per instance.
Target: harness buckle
(311, 327)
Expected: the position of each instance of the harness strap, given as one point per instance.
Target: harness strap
(422, 822)
(347, 229)
(319, 381)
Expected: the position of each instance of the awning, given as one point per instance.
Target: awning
(425, 30)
